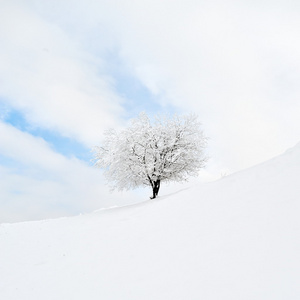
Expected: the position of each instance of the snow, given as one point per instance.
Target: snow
(236, 238)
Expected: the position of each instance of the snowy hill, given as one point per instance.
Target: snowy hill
(237, 238)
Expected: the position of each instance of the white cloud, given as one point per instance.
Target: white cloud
(49, 77)
(236, 64)
(42, 183)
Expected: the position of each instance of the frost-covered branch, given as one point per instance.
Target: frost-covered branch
(171, 149)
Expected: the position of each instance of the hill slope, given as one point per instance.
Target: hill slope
(237, 238)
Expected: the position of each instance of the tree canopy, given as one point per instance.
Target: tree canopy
(170, 149)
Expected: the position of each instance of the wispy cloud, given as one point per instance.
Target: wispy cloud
(51, 79)
(39, 182)
(236, 64)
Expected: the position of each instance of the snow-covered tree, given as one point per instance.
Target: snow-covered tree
(170, 149)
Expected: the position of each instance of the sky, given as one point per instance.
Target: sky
(70, 69)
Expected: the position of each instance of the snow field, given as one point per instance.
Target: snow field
(236, 238)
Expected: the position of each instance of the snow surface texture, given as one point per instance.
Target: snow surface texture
(237, 238)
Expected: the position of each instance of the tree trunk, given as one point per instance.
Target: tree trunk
(155, 188)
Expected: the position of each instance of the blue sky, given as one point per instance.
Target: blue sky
(135, 98)
(71, 70)
(64, 145)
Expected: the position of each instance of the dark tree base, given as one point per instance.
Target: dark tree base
(155, 188)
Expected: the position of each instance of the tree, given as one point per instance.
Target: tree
(170, 149)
